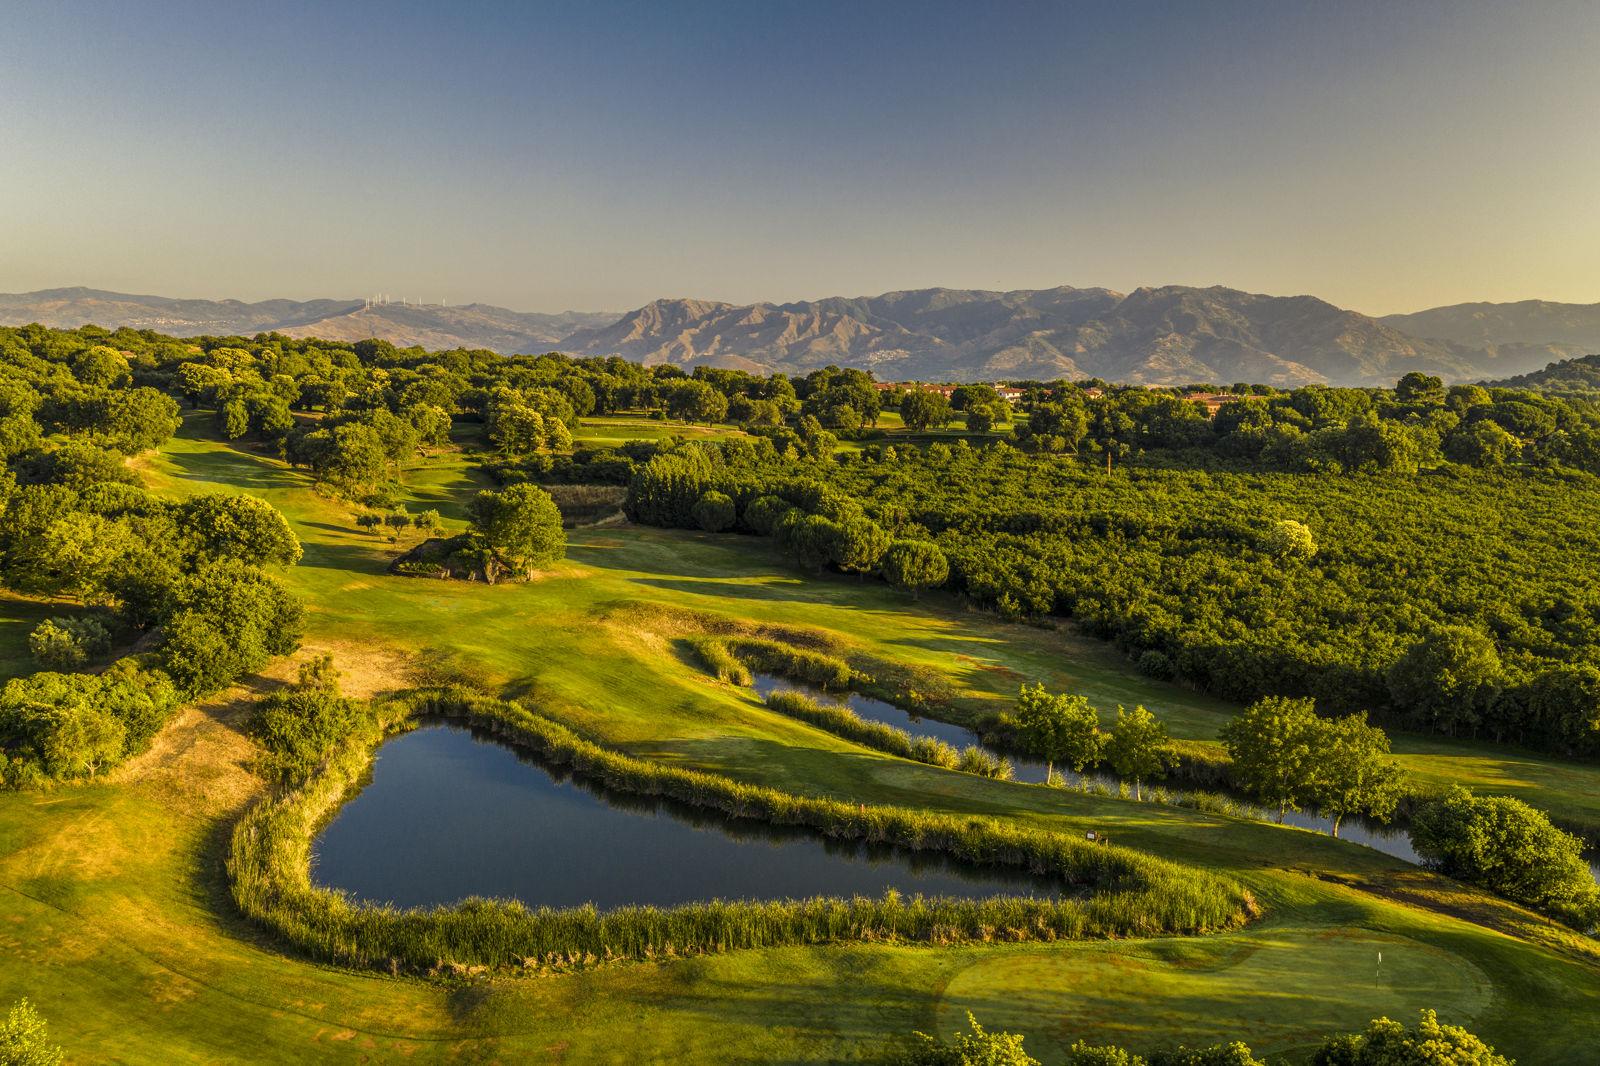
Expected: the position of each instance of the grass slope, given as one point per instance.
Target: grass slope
(111, 894)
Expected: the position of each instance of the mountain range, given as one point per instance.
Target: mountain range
(1164, 335)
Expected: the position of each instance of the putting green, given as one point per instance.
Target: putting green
(1203, 989)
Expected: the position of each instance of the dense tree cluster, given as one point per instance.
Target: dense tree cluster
(1287, 756)
(75, 525)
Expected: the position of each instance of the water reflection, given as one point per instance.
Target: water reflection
(447, 815)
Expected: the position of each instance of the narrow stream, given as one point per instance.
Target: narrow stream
(1390, 840)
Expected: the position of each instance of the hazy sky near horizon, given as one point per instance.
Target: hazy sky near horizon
(1387, 157)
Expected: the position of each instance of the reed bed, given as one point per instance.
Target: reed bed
(268, 866)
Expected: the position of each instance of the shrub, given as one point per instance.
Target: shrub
(714, 512)
(301, 724)
(23, 1039)
(68, 643)
(976, 1048)
(1509, 848)
(1388, 1043)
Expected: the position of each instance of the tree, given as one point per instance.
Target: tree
(1351, 774)
(1482, 444)
(521, 525)
(1058, 728)
(1273, 747)
(1417, 387)
(1138, 747)
(695, 401)
(762, 513)
(236, 526)
(515, 428)
(860, 544)
(1289, 539)
(1508, 847)
(24, 1040)
(1448, 678)
(915, 565)
(814, 540)
(231, 619)
(921, 410)
(100, 366)
(714, 512)
(233, 419)
(1388, 1043)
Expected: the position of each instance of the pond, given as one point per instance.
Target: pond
(448, 814)
(1387, 839)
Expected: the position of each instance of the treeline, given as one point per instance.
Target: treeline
(75, 526)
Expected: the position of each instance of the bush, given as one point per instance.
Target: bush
(1509, 848)
(68, 643)
(975, 1048)
(301, 724)
(23, 1039)
(1388, 1043)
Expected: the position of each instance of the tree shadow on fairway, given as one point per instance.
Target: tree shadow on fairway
(235, 469)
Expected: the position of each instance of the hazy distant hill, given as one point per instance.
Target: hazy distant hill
(1168, 334)
(471, 326)
(1569, 375)
(1526, 323)
(1171, 334)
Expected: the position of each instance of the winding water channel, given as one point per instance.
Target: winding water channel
(448, 815)
(1389, 840)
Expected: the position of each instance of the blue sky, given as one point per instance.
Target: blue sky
(1385, 156)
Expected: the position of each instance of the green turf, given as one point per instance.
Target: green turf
(112, 900)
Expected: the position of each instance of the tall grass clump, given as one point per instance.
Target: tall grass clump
(827, 672)
(984, 763)
(719, 661)
(269, 871)
(846, 723)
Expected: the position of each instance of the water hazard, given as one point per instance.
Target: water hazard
(448, 815)
(1387, 839)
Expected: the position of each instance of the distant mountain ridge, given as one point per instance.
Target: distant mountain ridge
(1170, 334)
(1524, 322)
(1167, 335)
(433, 326)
